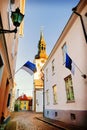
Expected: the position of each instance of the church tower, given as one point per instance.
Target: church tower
(41, 48)
(39, 60)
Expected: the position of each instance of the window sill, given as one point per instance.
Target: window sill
(55, 103)
(48, 103)
(53, 74)
(73, 101)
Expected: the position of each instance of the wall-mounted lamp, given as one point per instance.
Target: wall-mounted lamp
(82, 23)
(17, 18)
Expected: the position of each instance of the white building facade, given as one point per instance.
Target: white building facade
(39, 60)
(65, 91)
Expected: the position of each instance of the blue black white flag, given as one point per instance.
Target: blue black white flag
(70, 64)
(29, 67)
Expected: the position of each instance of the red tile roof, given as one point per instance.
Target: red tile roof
(24, 98)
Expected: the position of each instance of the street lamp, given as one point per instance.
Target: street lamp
(82, 23)
(17, 18)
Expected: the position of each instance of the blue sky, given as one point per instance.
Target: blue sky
(52, 16)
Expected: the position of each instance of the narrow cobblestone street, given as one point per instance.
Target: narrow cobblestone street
(28, 121)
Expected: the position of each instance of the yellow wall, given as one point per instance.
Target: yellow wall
(22, 9)
(24, 105)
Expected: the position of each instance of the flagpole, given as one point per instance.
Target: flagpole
(17, 70)
(78, 68)
(15, 73)
(28, 67)
(83, 75)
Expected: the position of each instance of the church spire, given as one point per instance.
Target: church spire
(41, 34)
(41, 47)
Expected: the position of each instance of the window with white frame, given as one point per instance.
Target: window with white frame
(69, 89)
(64, 51)
(13, 47)
(55, 94)
(24, 102)
(11, 7)
(47, 97)
(47, 74)
(53, 66)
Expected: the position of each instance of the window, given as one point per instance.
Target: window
(56, 114)
(8, 102)
(47, 74)
(1, 67)
(13, 47)
(11, 7)
(69, 88)
(12, 1)
(55, 94)
(53, 68)
(64, 51)
(47, 112)
(37, 102)
(24, 102)
(47, 97)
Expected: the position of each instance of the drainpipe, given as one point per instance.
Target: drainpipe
(43, 100)
(42, 77)
(7, 57)
(82, 23)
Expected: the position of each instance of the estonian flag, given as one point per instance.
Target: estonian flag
(29, 67)
(70, 64)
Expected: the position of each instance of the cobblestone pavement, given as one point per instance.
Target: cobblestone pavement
(28, 121)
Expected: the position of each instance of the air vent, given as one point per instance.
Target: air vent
(86, 14)
(55, 114)
(73, 116)
(47, 112)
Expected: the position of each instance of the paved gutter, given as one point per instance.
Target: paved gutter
(61, 125)
(53, 124)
